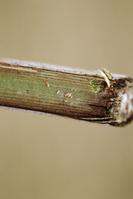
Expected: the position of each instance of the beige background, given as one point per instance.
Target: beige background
(51, 157)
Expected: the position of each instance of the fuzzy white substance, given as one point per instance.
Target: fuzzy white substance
(126, 106)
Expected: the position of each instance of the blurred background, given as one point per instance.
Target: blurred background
(45, 156)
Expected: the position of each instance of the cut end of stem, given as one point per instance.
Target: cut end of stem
(123, 111)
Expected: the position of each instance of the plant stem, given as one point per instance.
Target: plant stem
(79, 94)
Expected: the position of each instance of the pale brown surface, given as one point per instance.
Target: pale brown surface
(44, 156)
